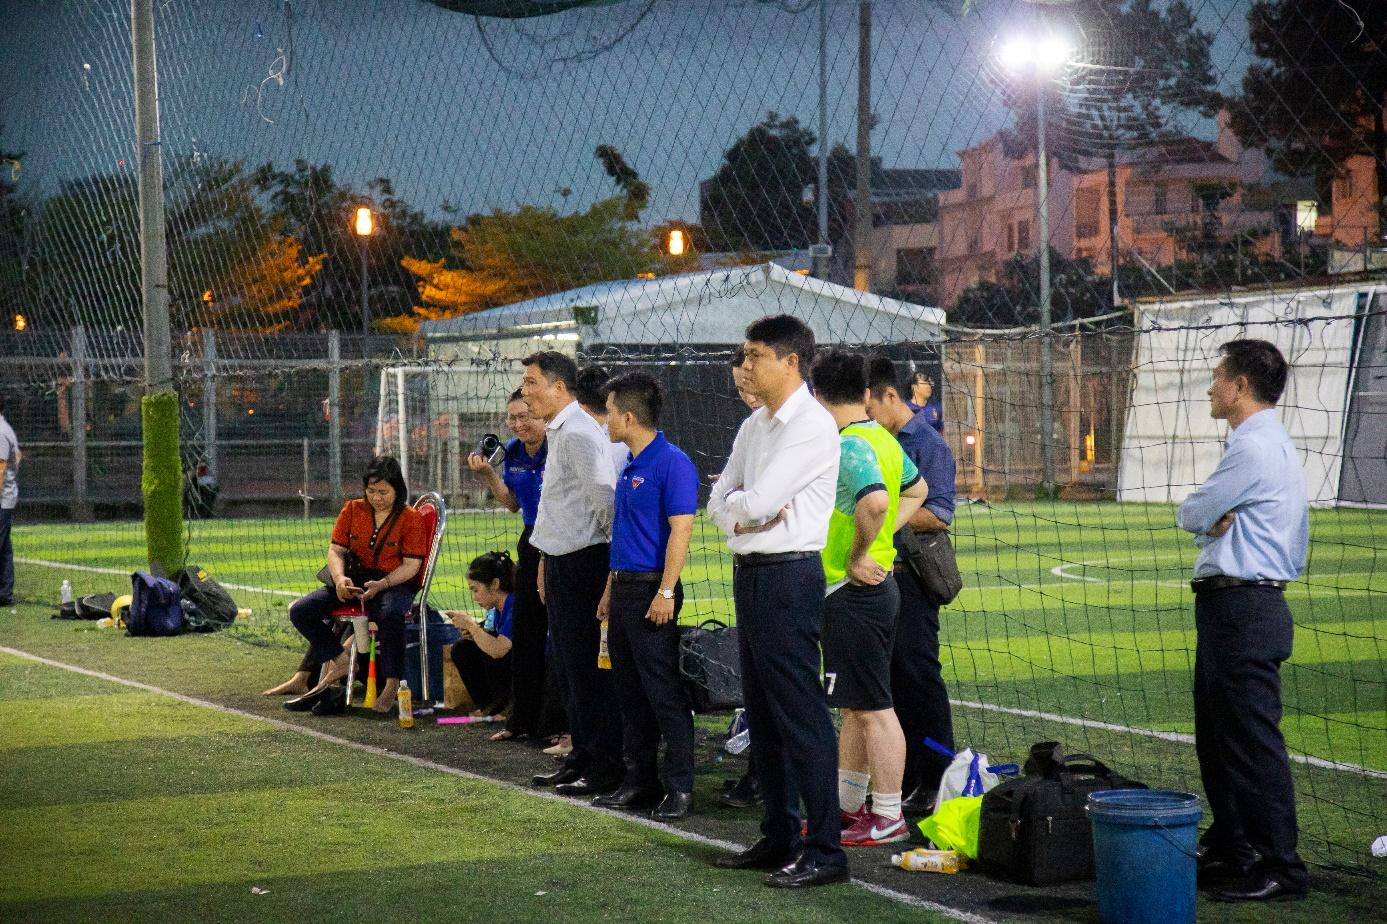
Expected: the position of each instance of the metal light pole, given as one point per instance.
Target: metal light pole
(1040, 59)
(821, 252)
(1047, 388)
(364, 227)
(862, 217)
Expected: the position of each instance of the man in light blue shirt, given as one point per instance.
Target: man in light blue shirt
(1252, 526)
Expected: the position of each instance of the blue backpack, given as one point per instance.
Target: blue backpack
(155, 608)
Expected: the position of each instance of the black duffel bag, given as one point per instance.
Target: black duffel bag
(207, 605)
(1035, 829)
(711, 665)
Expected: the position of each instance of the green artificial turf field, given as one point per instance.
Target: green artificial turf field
(1076, 624)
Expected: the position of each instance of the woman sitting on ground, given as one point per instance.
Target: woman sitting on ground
(483, 655)
(374, 559)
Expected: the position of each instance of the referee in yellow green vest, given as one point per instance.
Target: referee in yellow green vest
(878, 490)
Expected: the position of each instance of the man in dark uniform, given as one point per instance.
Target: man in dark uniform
(1251, 524)
(656, 499)
(773, 501)
(917, 680)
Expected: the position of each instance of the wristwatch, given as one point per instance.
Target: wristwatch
(667, 594)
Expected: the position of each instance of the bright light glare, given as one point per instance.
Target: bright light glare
(677, 242)
(364, 224)
(1045, 55)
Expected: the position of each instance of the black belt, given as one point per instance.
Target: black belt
(756, 559)
(1223, 582)
(637, 577)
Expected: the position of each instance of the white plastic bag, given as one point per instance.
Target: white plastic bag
(968, 775)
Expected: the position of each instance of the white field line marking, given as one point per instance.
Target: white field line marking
(1180, 737)
(423, 763)
(92, 569)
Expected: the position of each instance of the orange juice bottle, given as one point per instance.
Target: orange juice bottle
(405, 700)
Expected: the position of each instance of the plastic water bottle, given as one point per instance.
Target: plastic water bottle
(921, 860)
(66, 591)
(405, 700)
(604, 656)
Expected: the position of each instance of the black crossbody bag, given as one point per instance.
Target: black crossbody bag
(930, 557)
(353, 567)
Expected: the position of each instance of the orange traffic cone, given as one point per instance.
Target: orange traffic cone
(370, 699)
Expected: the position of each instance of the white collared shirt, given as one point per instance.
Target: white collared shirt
(789, 458)
(575, 502)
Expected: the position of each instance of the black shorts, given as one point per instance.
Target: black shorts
(859, 622)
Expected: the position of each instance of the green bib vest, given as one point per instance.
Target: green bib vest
(841, 527)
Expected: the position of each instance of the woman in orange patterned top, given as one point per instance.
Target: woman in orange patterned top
(375, 558)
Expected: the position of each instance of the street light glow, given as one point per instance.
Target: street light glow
(1046, 54)
(677, 243)
(364, 224)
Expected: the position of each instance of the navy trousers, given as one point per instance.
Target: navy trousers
(311, 615)
(1244, 633)
(6, 557)
(779, 620)
(917, 686)
(529, 633)
(573, 586)
(654, 701)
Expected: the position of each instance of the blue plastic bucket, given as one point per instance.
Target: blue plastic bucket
(440, 634)
(1144, 854)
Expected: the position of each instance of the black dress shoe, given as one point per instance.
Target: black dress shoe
(629, 796)
(675, 806)
(1213, 872)
(587, 786)
(558, 777)
(334, 702)
(307, 701)
(743, 794)
(761, 855)
(919, 802)
(1259, 888)
(803, 873)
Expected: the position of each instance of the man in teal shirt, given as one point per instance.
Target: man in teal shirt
(878, 490)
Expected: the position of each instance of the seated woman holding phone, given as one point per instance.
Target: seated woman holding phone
(483, 655)
(374, 559)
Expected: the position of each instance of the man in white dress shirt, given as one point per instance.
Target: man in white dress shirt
(773, 501)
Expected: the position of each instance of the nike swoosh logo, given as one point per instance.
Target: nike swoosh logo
(879, 832)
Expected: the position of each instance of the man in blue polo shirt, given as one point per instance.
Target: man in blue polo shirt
(656, 498)
(917, 680)
(517, 487)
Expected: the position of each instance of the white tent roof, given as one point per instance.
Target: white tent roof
(707, 307)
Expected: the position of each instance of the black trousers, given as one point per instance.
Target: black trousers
(311, 615)
(654, 701)
(779, 619)
(573, 586)
(529, 633)
(488, 679)
(917, 686)
(1244, 633)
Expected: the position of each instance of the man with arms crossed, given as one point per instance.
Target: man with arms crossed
(656, 499)
(1251, 524)
(917, 678)
(878, 489)
(573, 531)
(773, 501)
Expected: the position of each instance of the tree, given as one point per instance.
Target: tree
(756, 199)
(1141, 67)
(505, 257)
(14, 240)
(1316, 97)
(229, 263)
(1014, 300)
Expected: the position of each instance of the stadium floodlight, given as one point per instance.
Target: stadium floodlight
(1045, 54)
(21, 323)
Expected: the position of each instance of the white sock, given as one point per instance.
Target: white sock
(886, 805)
(852, 790)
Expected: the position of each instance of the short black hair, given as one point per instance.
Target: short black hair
(785, 334)
(515, 396)
(881, 375)
(387, 469)
(638, 393)
(493, 566)
(1266, 369)
(556, 367)
(738, 357)
(840, 377)
(591, 387)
